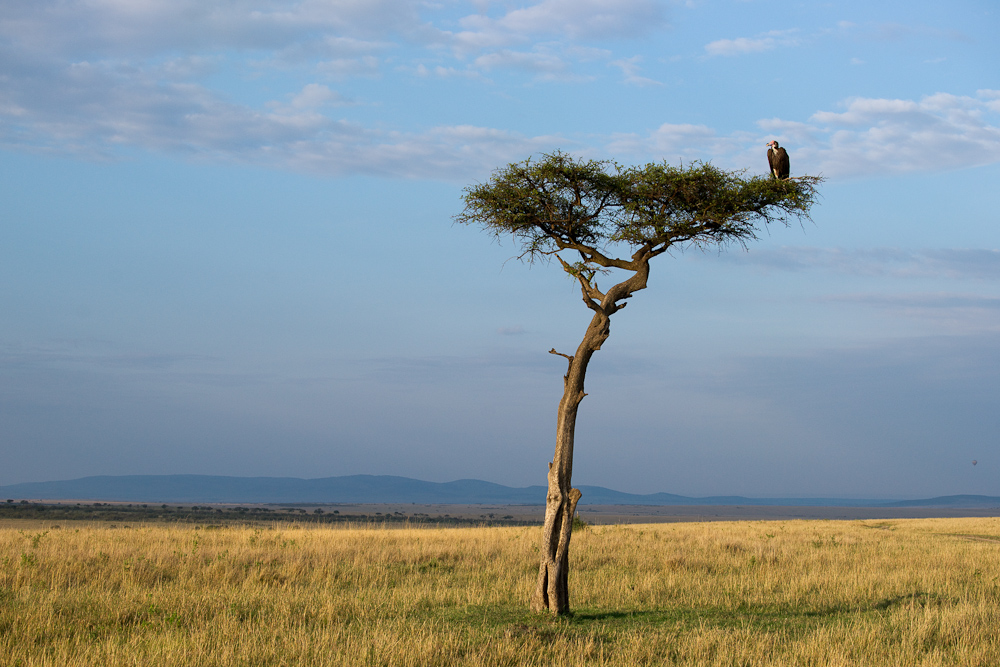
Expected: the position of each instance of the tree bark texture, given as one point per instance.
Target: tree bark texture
(552, 587)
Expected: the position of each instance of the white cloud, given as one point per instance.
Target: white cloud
(992, 99)
(588, 53)
(679, 141)
(563, 19)
(630, 71)
(732, 47)
(308, 102)
(340, 68)
(450, 152)
(93, 109)
(313, 96)
(871, 136)
(349, 46)
(862, 110)
(743, 45)
(476, 41)
(938, 132)
(539, 62)
(115, 28)
(547, 61)
(443, 72)
(89, 78)
(591, 19)
(153, 58)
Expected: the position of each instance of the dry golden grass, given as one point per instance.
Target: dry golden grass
(902, 592)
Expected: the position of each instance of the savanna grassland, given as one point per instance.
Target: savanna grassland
(893, 593)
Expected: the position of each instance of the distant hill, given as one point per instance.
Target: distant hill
(390, 489)
(965, 502)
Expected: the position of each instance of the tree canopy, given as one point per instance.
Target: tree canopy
(598, 207)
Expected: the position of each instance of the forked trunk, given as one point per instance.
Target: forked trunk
(552, 588)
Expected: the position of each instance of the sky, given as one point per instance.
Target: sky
(227, 243)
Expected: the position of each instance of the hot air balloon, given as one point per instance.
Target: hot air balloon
(974, 462)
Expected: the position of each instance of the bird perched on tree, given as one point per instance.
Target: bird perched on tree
(777, 159)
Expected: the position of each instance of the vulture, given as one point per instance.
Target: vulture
(777, 159)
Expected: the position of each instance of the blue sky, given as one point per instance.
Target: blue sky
(228, 244)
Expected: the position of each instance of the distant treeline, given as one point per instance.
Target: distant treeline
(227, 515)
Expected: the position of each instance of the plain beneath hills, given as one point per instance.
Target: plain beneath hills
(393, 489)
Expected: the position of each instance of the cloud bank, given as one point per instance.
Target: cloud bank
(99, 79)
(870, 136)
(947, 263)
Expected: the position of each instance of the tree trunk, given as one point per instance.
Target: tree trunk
(552, 589)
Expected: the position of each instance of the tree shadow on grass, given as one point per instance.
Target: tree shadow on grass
(793, 619)
(766, 618)
(589, 616)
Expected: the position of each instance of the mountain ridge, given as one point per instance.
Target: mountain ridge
(396, 489)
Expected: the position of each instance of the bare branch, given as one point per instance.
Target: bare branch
(569, 360)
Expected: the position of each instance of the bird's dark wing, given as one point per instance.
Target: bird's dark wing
(782, 163)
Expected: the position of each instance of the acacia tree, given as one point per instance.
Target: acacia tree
(598, 217)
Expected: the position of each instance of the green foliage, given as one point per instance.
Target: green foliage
(702, 203)
(558, 203)
(555, 198)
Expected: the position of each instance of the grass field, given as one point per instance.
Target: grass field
(893, 593)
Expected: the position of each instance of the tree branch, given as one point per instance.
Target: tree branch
(569, 365)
